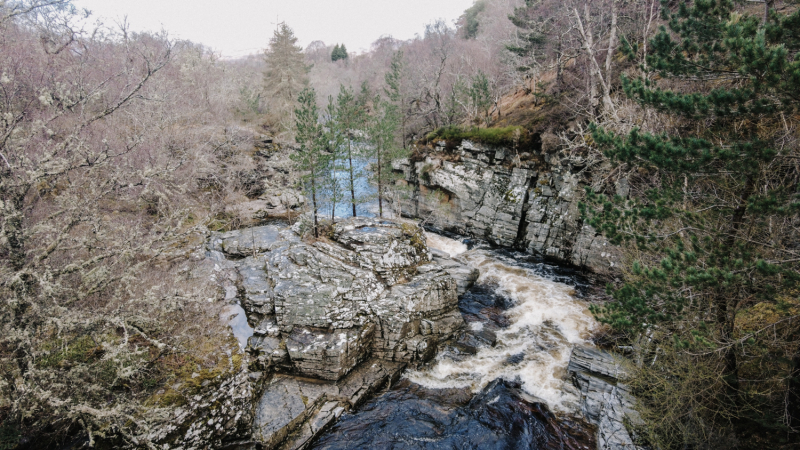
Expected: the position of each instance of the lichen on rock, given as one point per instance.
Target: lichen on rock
(349, 310)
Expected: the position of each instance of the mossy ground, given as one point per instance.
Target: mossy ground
(511, 136)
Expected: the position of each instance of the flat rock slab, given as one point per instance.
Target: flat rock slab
(303, 407)
(251, 241)
(286, 403)
(597, 363)
(329, 354)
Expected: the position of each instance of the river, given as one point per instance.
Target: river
(505, 396)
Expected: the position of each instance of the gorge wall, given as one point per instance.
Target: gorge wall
(525, 201)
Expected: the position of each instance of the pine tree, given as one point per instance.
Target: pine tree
(710, 223)
(335, 138)
(285, 76)
(339, 53)
(394, 91)
(382, 129)
(312, 159)
(532, 36)
(351, 116)
(480, 96)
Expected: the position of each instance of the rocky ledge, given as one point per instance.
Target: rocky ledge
(336, 319)
(526, 201)
(605, 400)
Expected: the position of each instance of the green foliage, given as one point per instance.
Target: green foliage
(507, 136)
(480, 95)
(339, 53)
(394, 78)
(731, 150)
(702, 222)
(312, 158)
(471, 21)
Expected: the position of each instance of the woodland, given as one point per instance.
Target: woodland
(120, 150)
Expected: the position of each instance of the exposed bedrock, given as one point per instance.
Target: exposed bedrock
(522, 201)
(337, 318)
(605, 400)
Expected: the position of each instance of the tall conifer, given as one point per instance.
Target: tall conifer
(724, 183)
(285, 76)
(311, 159)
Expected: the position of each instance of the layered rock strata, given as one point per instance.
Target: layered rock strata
(605, 400)
(511, 200)
(335, 319)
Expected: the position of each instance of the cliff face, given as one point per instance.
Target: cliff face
(511, 200)
(334, 320)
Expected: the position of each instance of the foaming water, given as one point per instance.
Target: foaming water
(450, 246)
(544, 323)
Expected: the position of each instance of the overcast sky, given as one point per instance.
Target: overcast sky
(240, 27)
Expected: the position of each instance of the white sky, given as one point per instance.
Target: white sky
(240, 27)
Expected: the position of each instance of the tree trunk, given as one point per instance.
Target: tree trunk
(793, 394)
(380, 188)
(726, 315)
(767, 5)
(314, 204)
(352, 177)
(334, 193)
(403, 119)
(608, 106)
(559, 69)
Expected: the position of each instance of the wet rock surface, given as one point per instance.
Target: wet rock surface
(336, 319)
(501, 416)
(492, 194)
(293, 410)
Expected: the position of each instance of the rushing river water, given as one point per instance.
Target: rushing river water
(498, 397)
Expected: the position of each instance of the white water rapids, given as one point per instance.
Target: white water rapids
(546, 321)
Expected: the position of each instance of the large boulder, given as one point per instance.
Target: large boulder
(391, 250)
(329, 354)
(311, 288)
(415, 316)
(320, 308)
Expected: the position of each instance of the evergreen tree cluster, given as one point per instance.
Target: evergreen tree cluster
(339, 53)
(353, 128)
(715, 235)
(471, 23)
